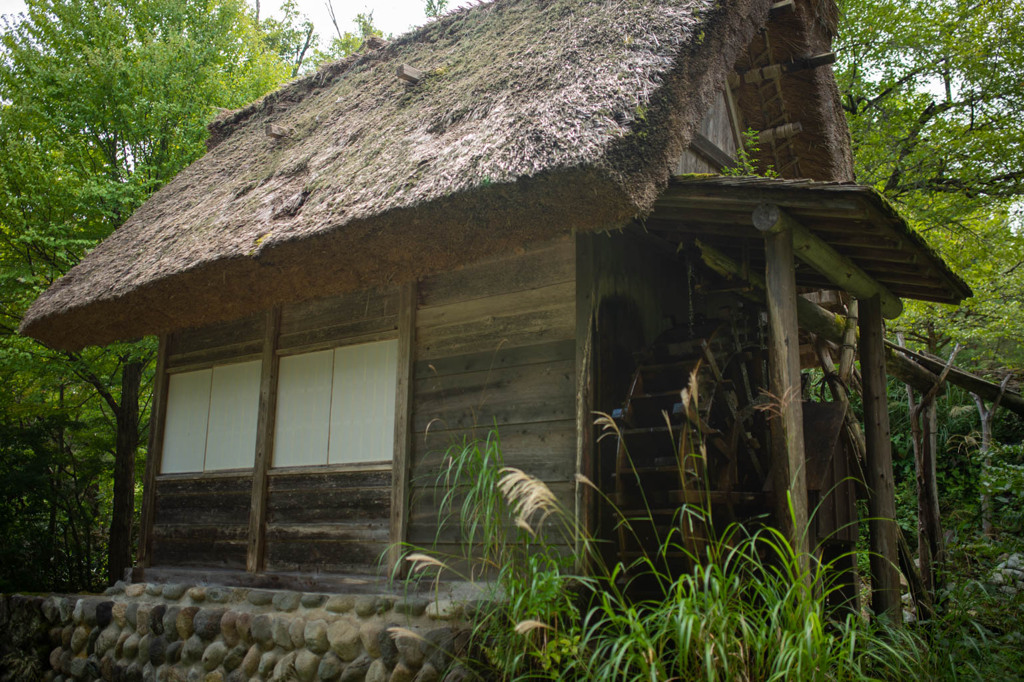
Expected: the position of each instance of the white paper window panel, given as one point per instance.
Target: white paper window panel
(188, 409)
(363, 404)
(303, 409)
(234, 409)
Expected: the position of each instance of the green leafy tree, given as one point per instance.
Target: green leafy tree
(434, 9)
(345, 43)
(101, 103)
(290, 37)
(933, 96)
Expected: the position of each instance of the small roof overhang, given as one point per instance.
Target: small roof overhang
(855, 220)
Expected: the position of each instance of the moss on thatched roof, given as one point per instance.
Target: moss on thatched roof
(535, 118)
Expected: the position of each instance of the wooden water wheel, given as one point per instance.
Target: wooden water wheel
(687, 465)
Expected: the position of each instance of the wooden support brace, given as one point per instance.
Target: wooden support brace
(839, 269)
(885, 575)
(788, 458)
(409, 74)
(812, 62)
(265, 422)
(773, 71)
(711, 152)
(402, 461)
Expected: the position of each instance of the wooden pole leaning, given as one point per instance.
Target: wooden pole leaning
(885, 577)
(790, 476)
(264, 442)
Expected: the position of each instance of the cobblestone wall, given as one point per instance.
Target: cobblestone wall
(212, 634)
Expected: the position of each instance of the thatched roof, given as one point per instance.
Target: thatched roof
(535, 118)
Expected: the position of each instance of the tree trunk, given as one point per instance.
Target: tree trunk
(119, 557)
(986, 446)
(923, 426)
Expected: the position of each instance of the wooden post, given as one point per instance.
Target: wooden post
(154, 456)
(837, 268)
(265, 422)
(787, 434)
(885, 577)
(403, 425)
(587, 514)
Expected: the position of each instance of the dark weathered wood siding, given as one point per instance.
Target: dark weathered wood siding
(640, 289)
(324, 519)
(496, 344)
(202, 520)
(331, 522)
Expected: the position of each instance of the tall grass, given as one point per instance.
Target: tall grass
(748, 610)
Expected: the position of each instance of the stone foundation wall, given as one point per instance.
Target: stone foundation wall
(213, 634)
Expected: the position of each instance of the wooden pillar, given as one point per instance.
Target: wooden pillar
(264, 442)
(788, 460)
(885, 577)
(154, 456)
(586, 503)
(403, 425)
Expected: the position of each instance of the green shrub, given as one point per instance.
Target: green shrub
(748, 610)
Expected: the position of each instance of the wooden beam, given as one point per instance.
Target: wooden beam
(403, 424)
(839, 270)
(773, 71)
(885, 575)
(711, 152)
(1011, 400)
(811, 62)
(786, 130)
(264, 455)
(154, 455)
(788, 458)
(410, 74)
(816, 319)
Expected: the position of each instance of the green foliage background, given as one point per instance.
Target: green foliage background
(101, 103)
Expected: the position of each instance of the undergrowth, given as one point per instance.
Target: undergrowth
(750, 608)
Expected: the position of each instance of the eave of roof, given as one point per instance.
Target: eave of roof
(855, 220)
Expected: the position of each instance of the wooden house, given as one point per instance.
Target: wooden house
(509, 216)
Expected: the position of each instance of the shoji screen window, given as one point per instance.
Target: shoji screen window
(211, 419)
(336, 406)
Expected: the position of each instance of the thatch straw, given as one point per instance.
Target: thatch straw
(536, 118)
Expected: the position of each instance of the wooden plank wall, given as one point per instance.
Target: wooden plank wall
(233, 341)
(495, 344)
(717, 126)
(336, 522)
(202, 520)
(324, 519)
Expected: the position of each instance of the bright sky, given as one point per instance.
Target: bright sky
(391, 16)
